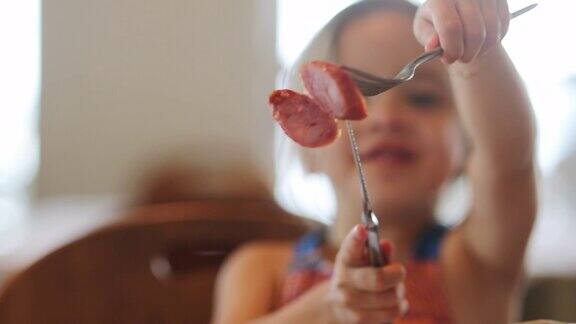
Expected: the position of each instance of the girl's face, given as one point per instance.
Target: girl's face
(411, 142)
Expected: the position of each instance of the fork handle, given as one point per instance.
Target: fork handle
(428, 56)
(373, 246)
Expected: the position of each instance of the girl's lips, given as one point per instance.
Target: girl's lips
(391, 153)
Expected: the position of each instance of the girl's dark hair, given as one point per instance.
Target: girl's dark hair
(361, 8)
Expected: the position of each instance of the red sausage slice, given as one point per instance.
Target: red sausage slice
(334, 90)
(302, 119)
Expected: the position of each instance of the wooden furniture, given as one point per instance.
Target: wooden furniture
(156, 266)
(553, 298)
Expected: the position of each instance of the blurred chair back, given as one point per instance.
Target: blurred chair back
(553, 298)
(156, 266)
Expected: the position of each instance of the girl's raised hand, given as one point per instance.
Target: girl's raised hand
(465, 29)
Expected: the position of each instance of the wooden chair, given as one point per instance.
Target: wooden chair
(553, 297)
(156, 266)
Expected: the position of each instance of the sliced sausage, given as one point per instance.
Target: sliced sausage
(302, 119)
(334, 90)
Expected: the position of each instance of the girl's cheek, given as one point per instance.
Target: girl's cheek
(334, 158)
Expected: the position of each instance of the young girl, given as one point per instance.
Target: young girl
(467, 114)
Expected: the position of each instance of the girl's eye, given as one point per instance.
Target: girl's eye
(423, 99)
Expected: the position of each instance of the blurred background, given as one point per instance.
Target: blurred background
(109, 105)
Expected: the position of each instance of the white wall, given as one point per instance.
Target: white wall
(127, 82)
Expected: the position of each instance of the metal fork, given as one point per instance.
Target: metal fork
(372, 85)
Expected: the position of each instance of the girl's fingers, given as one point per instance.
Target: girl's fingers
(449, 27)
(475, 31)
(492, 22)
(352, 298)
(387, 251)
(423, 27)
(352, 251)
(376, 316)
(464, 29)
(377, 280)
(432, 43)
(504, 14)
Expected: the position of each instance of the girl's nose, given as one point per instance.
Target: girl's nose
(386, 115)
